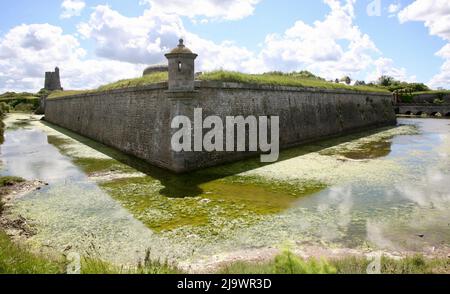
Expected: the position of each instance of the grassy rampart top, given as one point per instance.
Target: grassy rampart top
(281, 79)
(8, 96)
(273, 79)
(433, 92)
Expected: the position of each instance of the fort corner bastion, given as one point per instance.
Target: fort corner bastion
(138, 120)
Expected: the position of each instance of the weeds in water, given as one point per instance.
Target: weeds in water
(288, 263)
(10, 181)
(93, 165)
(148, 266)
(284, 263)
(416, 264)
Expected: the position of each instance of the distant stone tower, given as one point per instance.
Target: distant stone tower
(52, 80)
(181, 69)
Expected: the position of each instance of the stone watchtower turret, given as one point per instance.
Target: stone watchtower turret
(52, 80)
(181, 69)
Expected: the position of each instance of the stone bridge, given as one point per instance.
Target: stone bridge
(423, 109)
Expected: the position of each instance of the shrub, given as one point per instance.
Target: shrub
(25, 107)
(284, 263)
(438, 101)
(4, 108)
(43, 93)
(288, 263)
(92, 265)
(406, 98)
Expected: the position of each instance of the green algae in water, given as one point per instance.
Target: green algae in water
(62, 144)
(369, 150)
(96, 165)
(87, 164)
(375, 146)
(220, 201)
(19, 124)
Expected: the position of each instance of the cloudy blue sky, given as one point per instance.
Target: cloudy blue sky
(99, 41)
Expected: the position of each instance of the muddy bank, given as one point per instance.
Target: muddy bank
(16, 227)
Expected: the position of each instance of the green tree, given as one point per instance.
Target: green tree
(386, 81)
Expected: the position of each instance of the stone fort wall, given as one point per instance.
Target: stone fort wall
(429, 98)
(137, 121)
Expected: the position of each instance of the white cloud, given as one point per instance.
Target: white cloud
(214, 9)
(443, 77)
(145, 40)
(385, 67)
(436, 17)
(27, 51)
(140, 39)
(125, 45)
(331, 48)
(72, 8)
(444, 52)
(434, 13)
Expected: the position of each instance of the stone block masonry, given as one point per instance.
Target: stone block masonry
(138, 120)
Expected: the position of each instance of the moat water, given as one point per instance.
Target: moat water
(383, 190)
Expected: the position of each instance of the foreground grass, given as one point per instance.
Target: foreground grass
(15, 259)
(410, 265)
(287, 263)
(18, 260)
(147, 267)
(274, 79)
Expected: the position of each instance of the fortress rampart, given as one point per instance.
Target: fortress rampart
(137, 121)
